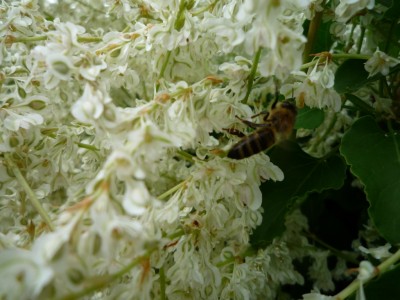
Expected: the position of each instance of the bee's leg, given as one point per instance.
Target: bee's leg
(254, 125)
(234, 132)
(265, 112)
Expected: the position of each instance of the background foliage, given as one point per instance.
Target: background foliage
(116, 118)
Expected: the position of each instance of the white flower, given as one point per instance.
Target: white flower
(92, 68)
(15, 121)
(314, 89)
(137, 198)
(90, 105)
(166, 34)
(270, 29)
(317, 296)
(320, 272)
(348, 8)
(365, 272)
(66, 33)
(228, 32)
(24, 274)
(378, 252)
(179, 124)
(59, 65)
(380, 62)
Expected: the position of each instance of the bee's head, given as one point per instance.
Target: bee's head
(289, 106)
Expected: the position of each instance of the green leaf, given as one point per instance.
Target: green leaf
(374, 157)
(350, 76)
(303, 174)
(393, 12)
(360, 104)
(309, 118)
(385, 31)
(386, 285)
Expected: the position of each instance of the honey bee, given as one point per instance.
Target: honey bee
(277, 126)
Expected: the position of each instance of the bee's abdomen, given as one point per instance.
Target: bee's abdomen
(254, 143)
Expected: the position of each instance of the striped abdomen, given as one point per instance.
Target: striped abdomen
(258, 141)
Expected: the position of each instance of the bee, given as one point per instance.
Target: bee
(277, 126)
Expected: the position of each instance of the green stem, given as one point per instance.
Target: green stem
(350, 56)
(352, 287)
(211, 6)
(312, 33)
(250, 79)
(102, 282)
(338, 56)
(176, 234)
(361, 39)
(30, 39)
(31, 195)
(174, 189)
(249, 252)
(185, 155)
(226, 262)
(389, 36)
(89, 39)
(87, 146)
(162, 284)
(38, 38)
(336, 252)
(180, 19)
(145, 96)
(164, 66)
(90, 7)
(309, 64)
(350, 39)
(325, 134)
(388, 263)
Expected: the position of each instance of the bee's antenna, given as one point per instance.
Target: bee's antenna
(276, 96)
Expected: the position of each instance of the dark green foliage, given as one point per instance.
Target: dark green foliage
(303, 175)
(374, 157)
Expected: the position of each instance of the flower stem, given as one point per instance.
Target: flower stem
(185, 155)
(312, 33)
(174, 189)
(31, 195)
(334, 251)
(176, 234)
(204, 9)
(103, 281)
(39, 38)
(252, 74)
(352, 287)
(180, 18)
(361, 39)
(325, 134)
(91, 7)
(164, 66)
(349, 43)
(89, 39)
(350, 56)
(24, 39)
(162, 284)
(87, 146)
(338, 56)
(390, 36)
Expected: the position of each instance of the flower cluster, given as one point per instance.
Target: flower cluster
(115, 119)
